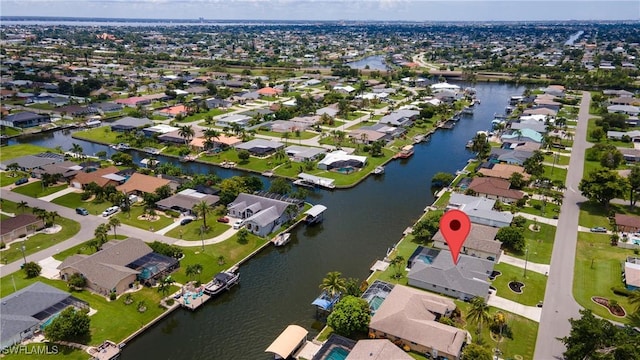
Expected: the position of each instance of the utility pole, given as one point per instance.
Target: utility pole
(526, 259)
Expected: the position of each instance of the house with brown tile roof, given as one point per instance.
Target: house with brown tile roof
(504, 171)
(140, 183)
(102, 177)
(410, 316)
(627, 223)
(19, 225)
(117, 266)
(494, 188)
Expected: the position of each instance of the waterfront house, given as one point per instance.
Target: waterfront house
(495, 188)
(21, 225)
(30, 162)
(537, 126)
(102, 177)
(25, 119)
(159, 129)
(185, 200)
(411, 317)
(364, 136)
(480, 242)
(139, 184)
(339, 160)
(222, 141)
(303, 153)
(400, 118)
(129, 123)
(116, 267)
(434, 270)
(522, 135)
(377, 349)
(107, 107)
(516, 157)
(503, 171)
(262, 215)
(28, 310)
(260, 147)
(631, 275)
(480, 210)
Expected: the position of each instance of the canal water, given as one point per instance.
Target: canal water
(278, 285)
(375, 62)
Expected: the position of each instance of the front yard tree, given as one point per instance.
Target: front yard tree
(71, 325)
(597, 134)
(511, 237)
(32, 269)
(202, 209)
(113, 223)
(478, 313)
(612, 159)
(603, 186)
(477, 352)
(517, 180)
(634, 182)
(533, 165)
(350, 315)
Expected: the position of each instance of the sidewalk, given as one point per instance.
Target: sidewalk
(538, 218)
(58, 194)
(218, 239)
(539, 268)
(530, 312)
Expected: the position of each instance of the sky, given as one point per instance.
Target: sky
(409, 10)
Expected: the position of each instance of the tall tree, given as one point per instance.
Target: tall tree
(186, 132)
(603, 186)
(350, 315)
(480, 145)
(202, 209)
(101, 233)
(71, 325)
(333, 283)
(634, 182)
(113, 223)
(77, 149)
(478, 313)
(22, 206)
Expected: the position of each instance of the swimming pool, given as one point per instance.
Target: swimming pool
(345, 170)
(337, 353)
(48, 322)
(425, 258)
(375, 302)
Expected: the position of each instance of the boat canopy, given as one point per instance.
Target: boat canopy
(287, 342)
(325, 301)
(316, 210)
(317, 180)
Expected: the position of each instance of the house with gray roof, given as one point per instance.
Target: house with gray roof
(634, 135)
(514, 157)
(260, 147)
(480, 242)
(230, 120)
(434, 270)
(532, 125)
(30, 162)
(624, 109)
(401, 118)
(480, 210)
(116, 267)
(26, 311)
(304, 153)
(129, 123)
(66, 169)
(185, 200)
(262, 215)
(25, 119)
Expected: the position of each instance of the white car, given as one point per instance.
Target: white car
(238, 224)
(110, 211)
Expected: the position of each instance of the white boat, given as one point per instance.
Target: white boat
(281, 239)
(222, 281)
(378, 170)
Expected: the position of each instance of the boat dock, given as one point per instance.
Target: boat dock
(312, 180)
(315, 214)
(191, 298)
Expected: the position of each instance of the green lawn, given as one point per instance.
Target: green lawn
(560, 159)
(131, 218)
(597, 270)
(8, 177)
(554, 173)
(14, 151)
(101, 134)
(35, 190)
(39, 242)
(540, 243)
(532, 293)
(9, 131)
(548, 210)
(304, 135)
(443, 200)
(74, 200)
(191, 231)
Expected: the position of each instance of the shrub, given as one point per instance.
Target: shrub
(77, 280)
(169, 301)
(2, 245)
(85, 195)
(172, 213)
(32, 269)
(112, 296)
(621, 291)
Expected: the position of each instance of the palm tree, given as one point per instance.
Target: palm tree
(500, 321)
(202, 209)
(397, 263)
(165, 285)
(478, 312)
(280, 154)
(193, 270)
(187, 133)
(52, 215)
(211, 134)
(334, 284)
(113, 224)
(39, 213)
(100, 233)
(76, 149)
(286, 135)
(22, 205)
(634, 299)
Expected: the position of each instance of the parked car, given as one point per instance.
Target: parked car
(598, 229)
(223, 219)
(185, 221)
(238, 224)
(82, 211)
(21, 181)
(110, 211)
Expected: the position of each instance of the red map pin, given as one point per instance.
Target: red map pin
(455, 226)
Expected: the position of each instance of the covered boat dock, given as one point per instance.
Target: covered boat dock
(315, 214)
(290, 340)
(308, 179)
